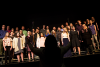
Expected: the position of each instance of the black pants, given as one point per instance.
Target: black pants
(89, 48)
(8, 53)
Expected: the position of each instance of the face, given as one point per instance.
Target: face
(12, 30)
(71, 24)
(64, 29)
(43, 26)
(41, 34)
(59, 29)
(29, 33)
(54, 28)
(73, 28)
(90, 21)
(18, 34)
(83, 26)
(23, 27)
(47, 31)
(7, 27)
(79, 22)
(16, 28)
(92, 18)
(33, 30)
(3, 26)
(12, 33)
(21, 31)
(66, 23)
(62, 26)
(53, 31)
(87, 20)
(84, 22)
(47, 27)
(7, 34)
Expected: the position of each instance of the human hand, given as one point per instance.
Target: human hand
(5, 49)
(96, 34)
(62, 43)
(91, 38)
(82, 41)
(10, 49)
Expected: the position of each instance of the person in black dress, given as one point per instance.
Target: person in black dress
(75, 40)
(86, 38)
(28, 49)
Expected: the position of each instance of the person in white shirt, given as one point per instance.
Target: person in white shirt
(18, 45)
(40, 41)
(65, 39)
(7, 44)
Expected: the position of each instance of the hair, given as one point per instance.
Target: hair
(78, 20)
(85, 26)
(94, 19)
(22, 32)
(46, 31)
(54, 33)
(16, 35)
(66, 30)
(40, 35)
(6, 36)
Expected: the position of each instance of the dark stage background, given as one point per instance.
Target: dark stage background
(52, 17)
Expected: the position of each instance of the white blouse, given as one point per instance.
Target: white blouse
(65, 35)
(7, 42)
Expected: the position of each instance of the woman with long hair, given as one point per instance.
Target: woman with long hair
(18, 45)
(41, 41)
(27, 38)
(86, 38)
(75, 41)
(7, 44)
(65, 40)
(47, 33)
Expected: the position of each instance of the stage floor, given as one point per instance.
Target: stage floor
(14, 61)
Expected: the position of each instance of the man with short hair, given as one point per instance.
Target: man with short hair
(24, 31)
(43, 30)
(2, 35)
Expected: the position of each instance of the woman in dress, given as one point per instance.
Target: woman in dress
(86, 37)
(27, 38)
(18, 45)
(40, 41)
(75, 41)
(7, 44)
(65, 40)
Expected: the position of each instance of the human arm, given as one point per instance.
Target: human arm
(4, 44)
(95, 29)
(65, 49)
(62, 38)
(34, 50)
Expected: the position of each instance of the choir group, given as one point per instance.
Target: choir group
(82, 36)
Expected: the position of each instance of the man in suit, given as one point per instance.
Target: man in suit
(51, 56)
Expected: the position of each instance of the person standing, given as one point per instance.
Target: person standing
(47, 33)
(94, 34)
(74, 40)
(24, 31)
(16, 30)
(79, 26)
(43, 30)
(41, 41)
(18, 46)
(29, 37)
(12, 51)
(59, 36)
(62, 26)
(2, 35)
(7, 44)
(65, 39)
(8, 29)
(86, 38)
